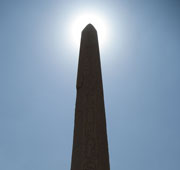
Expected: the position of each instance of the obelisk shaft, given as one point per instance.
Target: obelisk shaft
(90, 146)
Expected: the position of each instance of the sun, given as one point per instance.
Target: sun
(80, 22)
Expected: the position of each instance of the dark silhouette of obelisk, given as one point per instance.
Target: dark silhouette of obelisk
(90, 146)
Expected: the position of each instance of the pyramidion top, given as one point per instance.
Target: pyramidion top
(89, 27)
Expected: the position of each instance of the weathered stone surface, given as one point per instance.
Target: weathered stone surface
(90, 147)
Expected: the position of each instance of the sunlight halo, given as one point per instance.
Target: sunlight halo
(81, 20)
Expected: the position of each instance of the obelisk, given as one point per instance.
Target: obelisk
(90, 146)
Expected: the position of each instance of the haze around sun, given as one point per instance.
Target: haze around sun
(81, 19)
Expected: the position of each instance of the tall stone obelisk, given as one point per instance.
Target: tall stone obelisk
(90, 146)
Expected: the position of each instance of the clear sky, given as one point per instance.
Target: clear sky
(141, 79)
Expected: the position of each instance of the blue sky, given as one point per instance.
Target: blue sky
(141, 79)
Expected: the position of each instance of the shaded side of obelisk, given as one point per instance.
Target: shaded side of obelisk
(90, 146)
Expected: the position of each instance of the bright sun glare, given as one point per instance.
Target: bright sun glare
(84, 19)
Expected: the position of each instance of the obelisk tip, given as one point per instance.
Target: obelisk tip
(89, 27)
